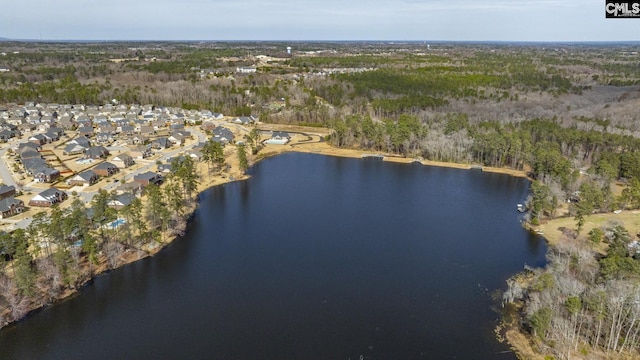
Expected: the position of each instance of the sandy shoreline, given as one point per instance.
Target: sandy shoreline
(210, 179)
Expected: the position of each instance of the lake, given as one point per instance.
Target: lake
(314, 257)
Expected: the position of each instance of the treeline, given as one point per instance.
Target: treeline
(67, 90)
(542, 146)
(64, 248)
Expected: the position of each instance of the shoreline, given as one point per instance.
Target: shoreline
(209, 181)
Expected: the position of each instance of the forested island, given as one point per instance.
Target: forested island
(564, 114)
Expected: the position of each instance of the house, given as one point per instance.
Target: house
(10, 206)
(5, 135)
(130, 187)
(176, 127)
(48, 198)
(244, 120)
(7, 191)
(57, 130)
(207, 126)
(97, 152)
(51, 136)
(165, 168)
(137, 140)
(100, 119)
(106, 128)
(45, 174)
(195, 154)
(88, 177)
(105, 138)
(158, 125)
(29, 146)
(80, 140)
(66, 123)
(141, 152)
(246, 69)
(127, 130)
(86, 131)
(15, 121)
(278, 138)
(121, 201)
(38, 139)
(123, 161)
(26, 127)
(148, 178)
(222, 134)
(176, 138)
(33, 164)
(161, 143)
(147, 130)
(74, 149)
(106, 169)
(29, 154)
(43, 127)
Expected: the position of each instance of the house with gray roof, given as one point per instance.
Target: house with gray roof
(141, 151)
(74, 149)
(38, 139)
(244, 120)
(46, 174)
(121, 201)
(148, 178)
(80, 140)
(5, 135)
(48, 198)
(161, 143)
(97, 152)
(31, 165)
(106, 169)
(86, 131)
(222, 135)
(105, 138)
(87, 177)
(10, 206)
(51, 136)
(7, 191)
(28, 146)
(123, 160)
(278, 138)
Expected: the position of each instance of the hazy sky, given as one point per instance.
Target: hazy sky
(475, 20)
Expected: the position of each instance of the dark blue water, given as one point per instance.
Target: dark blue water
(313, 258)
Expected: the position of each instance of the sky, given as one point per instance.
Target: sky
(409, 20)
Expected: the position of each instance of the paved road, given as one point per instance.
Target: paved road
(5, 173)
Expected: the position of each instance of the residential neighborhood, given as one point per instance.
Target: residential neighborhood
(52, 151)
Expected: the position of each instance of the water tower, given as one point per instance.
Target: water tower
(288, 50)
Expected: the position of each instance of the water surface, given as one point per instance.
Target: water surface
(314, 257)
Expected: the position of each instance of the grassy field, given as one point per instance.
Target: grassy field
(554, 234)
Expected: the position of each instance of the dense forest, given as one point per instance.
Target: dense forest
(564, 113)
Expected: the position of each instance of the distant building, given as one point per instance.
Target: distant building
(246, 70)
(278, 138)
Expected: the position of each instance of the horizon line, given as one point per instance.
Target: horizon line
(2, 39)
